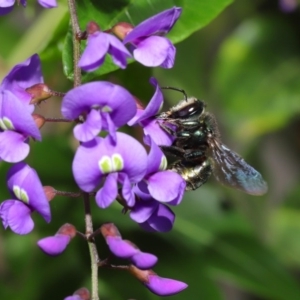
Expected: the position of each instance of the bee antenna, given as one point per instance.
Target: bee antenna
(175, 89)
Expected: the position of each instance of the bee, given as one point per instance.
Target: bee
(199, 151)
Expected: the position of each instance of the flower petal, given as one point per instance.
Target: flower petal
(127, 192)
(143, 210)
(18, 218)
(102, 95)
(121, 248)
(155, 158)
(48, 3)
(163, 192)
(153, 51)
(108, 193)
(27, 181)
(160, 24)
(85, 165)
(22, 76)
(13, 147)
(54, 245)
(144, 261)
(7, 3)
(153, 106)
(164, 286)
(118, 51)
(17, 112)
(86, 131)
(94, 53)
(162, 219)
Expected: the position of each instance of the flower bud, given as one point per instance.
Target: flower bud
(109, 229)
(122, 29)
(39, 120)
(156, 284)
(39, 93)
(81, 294)
(126, 249)
(50, 192)
(92, 27)
(55, 245)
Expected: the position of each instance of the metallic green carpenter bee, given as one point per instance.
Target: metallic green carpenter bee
(199, 151)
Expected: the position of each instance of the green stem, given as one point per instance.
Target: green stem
(76, 42)
(92, 247)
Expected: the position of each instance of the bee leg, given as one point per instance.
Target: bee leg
(167, 129)
(193, 154)
(173, 151)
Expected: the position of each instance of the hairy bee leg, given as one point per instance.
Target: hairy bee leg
(173, 151)
(167, 129)
(193, 155)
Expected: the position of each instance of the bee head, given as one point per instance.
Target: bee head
(187, 108)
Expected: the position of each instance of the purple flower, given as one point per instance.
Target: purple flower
(55, 245)
(98, 44)
(164, 286)
(16, 126)
(27, 196)
(126, 249)
(24, 75)
(123, 162)
(105, 106)
(81, 294)
(150, 211)
(6, 6)
(146, 119)
(156, 284)
(288, 5)
(74, 297)
(150, 47)
(153, 216)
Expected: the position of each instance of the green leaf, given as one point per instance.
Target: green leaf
(195, 15)
(244, 260)
(285, 228)
(257, 77)
(39, 35)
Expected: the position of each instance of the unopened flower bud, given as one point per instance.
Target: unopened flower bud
(126, 249)
(50, 192)
(109, 229)
(81, 294)
(39, 120)
(122, 29)
(55, 245)
(92, 27)
(156, 284)
(67, 229)
(39, 93)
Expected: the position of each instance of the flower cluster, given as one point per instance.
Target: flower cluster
(6, 6)
(17, 124)
(145, 42)
(108, 164)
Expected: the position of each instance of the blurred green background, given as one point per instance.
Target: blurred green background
(245, 63)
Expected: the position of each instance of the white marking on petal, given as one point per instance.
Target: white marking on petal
(6, 124)
(21, 194)
(117, 162)
(105, 164)
(163, 164)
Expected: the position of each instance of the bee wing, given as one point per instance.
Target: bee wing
(231, 170)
